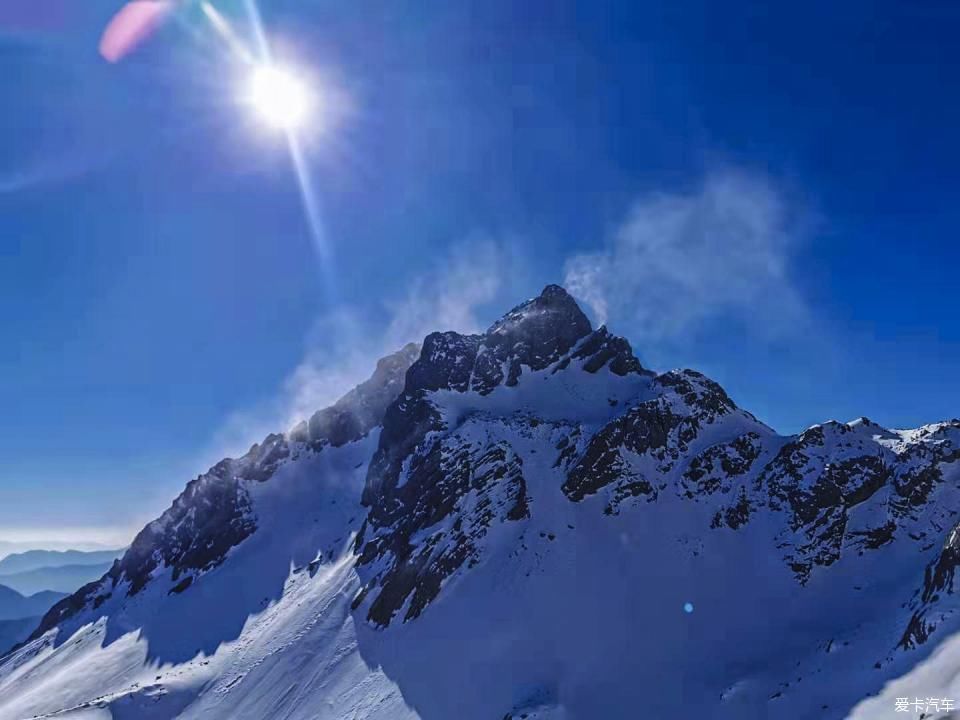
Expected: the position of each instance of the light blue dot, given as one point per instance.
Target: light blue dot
(688, 608)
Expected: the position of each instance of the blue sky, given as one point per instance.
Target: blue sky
(765, 194)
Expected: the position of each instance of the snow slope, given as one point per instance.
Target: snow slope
(526, 524)
(275, 614)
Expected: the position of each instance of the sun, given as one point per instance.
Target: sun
(279, 96)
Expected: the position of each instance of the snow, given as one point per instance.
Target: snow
(569, 614)
(231, 644)
(570, 396)
(936, 677)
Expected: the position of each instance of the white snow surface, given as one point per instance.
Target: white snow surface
(262, 636)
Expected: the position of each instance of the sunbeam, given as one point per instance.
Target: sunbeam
(286, 102)
(311, 206)
(226, 32)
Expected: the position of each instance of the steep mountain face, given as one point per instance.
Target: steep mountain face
(436, 464)
(214, 513)
(525, 523)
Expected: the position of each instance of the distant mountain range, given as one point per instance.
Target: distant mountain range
(64, 578)
(14, 605)
(32, 581)
(9, 547)
(36, 559)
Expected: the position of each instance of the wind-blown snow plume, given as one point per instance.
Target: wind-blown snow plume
(446, 296)
(682, 259)
(344, 345)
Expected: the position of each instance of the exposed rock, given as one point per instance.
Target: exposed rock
(452, 494)
(633, 451)
(425, 473)
(535, 334)
(714, 469)
(602, 349)
(938, 579)
(213, 514)
(361, 409)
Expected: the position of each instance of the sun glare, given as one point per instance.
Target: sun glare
(281, 98)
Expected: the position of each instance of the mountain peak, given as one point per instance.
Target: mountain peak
(558, 295)
(552, 311)
(535, 333)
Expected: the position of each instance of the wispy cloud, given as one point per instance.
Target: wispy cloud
(677, 263)
(345, 345)
(721, 252)
(448, 295)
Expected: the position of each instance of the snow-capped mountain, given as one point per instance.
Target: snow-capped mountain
(527, 523)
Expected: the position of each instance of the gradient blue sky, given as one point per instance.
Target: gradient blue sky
(766, 194)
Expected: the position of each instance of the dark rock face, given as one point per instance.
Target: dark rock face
(210, 517)
(714, 469)
(922, 468)
(214, 514)
(737, 514)
(68, 607)
(603, 349)
(361, 409)
(818, 478)
(425, 472)
(938, 579)
(606, 461)
(656, 435)
(822, 475)
(475, 482)
(536, 334)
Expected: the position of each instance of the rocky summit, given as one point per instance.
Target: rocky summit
(525, 523)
